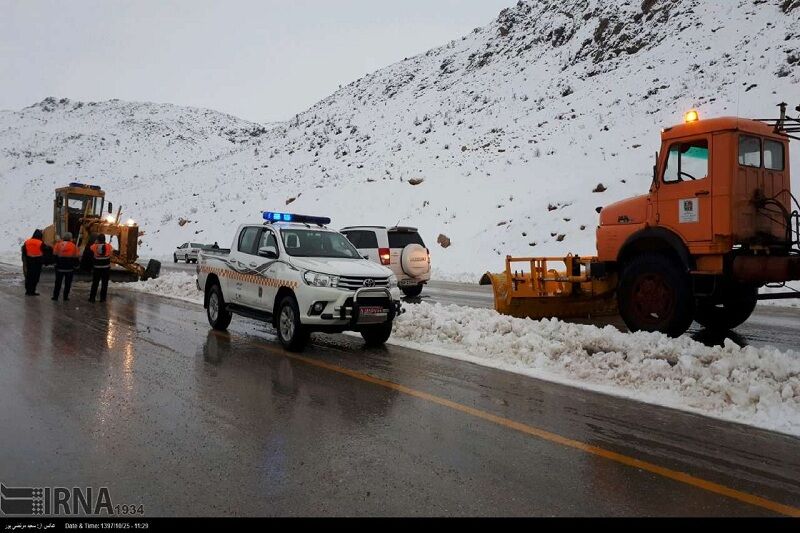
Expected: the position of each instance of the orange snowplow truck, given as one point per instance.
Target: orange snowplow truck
(719, 222)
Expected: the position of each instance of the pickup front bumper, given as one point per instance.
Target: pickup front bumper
(370, 306)
(349, 310)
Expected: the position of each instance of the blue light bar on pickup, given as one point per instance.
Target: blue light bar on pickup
(272, 216)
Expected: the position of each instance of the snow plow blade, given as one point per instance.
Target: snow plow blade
(580, 290)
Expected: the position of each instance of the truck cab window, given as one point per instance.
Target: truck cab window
(686, 161)
(773, 155)
(749, 151)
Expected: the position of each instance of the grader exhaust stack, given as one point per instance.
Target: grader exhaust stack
(530, 288)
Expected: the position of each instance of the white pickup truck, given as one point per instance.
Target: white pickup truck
(301, 276)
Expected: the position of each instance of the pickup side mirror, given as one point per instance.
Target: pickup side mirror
(110, 208)
(268, 251)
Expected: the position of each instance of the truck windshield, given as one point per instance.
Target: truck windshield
(311, 243)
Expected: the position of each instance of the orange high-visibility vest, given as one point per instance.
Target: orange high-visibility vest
(33, 247)
(66, 249)
(102, 255)
(101, 250)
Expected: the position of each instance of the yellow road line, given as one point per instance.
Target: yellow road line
(668, 473)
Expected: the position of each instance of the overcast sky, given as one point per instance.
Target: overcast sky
(261, 60)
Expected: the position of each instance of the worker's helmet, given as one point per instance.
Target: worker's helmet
(101, 239)
(67, 236)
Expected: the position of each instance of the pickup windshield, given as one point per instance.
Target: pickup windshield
(311, 243)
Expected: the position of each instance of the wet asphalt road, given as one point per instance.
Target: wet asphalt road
(140, 396)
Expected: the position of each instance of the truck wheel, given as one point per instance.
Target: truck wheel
(735, 308)
(186, 259)
(377, 335)
(218, 316)
(292, 334)
(655, 294)
(412, 291)
(174, 258)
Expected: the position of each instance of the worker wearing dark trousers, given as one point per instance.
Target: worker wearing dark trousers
(67, 256)
(32, 257)
(101, 267)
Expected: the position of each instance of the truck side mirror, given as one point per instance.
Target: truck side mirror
(59, 202)
(268, 251)
(110, 208)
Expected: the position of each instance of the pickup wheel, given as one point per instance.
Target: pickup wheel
(377, 335)
(186, 259)
(293, 335)
(655, 294)
(735, 308)
(218, 316)
(413, 291)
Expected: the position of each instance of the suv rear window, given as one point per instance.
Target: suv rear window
(362, 239)
(401, 239)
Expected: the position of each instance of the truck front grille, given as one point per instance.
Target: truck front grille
(357, 282)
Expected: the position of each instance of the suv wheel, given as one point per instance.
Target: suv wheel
(292, 334)
(218, 316)
(412, 291)
(377, 335)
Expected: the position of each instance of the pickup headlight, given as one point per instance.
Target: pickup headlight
(317, 279)
(392, 281)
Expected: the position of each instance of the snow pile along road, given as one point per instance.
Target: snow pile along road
(756, 386)
(178, 285)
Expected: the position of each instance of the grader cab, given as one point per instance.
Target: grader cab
(81, 210)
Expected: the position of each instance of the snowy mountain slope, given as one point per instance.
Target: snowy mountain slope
(510, 129)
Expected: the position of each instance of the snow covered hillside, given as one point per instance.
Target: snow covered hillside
(496, 140)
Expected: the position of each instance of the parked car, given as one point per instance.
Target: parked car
(188, 252)
(301, 276)
(400, 248)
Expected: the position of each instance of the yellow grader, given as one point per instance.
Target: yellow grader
(718, 223)
(79, 209)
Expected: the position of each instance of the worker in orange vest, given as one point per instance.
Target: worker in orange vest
(32, 256)
(101, 267)
(67, 255)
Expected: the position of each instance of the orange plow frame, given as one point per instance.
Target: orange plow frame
(544, 292)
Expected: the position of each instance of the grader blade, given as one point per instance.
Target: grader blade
(537, 291)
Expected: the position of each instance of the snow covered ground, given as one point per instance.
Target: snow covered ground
(756, 386)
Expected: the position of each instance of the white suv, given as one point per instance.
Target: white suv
(400, 248)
